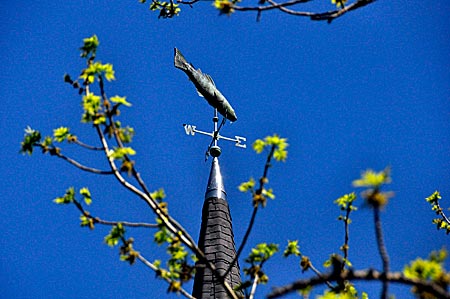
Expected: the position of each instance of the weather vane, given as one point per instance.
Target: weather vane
(207, 89)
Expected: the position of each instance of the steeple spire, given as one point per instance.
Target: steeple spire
(216, 240)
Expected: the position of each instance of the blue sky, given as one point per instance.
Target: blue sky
(370, 90)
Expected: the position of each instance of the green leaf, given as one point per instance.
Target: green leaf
(97, 69)
(125, 134)
(434, 198)
(339, 3)
(370, 178)
(162, 236)
(262, 252)
(99, 119)
(68, 197)
(31, 139)
(268, 193)
(86, 195)
(119, 153)
(108, 71)
(258, 146)
(115, 235)
(91, 106)
(89, 47)
(247, 186)
(280, 154)
(292, 249)
(120, 100)
(431, 269)
(346, 200)
(87, 221)
(60, 134)
(158, 195)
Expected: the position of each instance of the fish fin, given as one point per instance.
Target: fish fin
(179, 60)
(199, 93)
(210, 79)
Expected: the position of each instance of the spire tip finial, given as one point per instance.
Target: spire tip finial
(215, 151)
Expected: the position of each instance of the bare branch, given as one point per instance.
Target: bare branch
(269, 7)
(112, 223)
(346, 238)
(262, 182)
(366, 275)
(255, 283)
(57, 152)
(381, 248)
(328, 16)
(331, 15)
(87, 146)
(319, 274)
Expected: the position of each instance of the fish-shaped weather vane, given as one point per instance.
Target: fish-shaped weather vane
(205, 87)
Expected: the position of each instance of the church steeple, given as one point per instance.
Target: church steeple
(216, 240)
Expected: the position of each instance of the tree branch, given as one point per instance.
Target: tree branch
(253, 290)
(87, 146)
(262, 182)
(381, 248)
(112, 223)
(319, 274)
(57, 152)
(331, 15)
(365, 275)
(346, 238)
(328, 16)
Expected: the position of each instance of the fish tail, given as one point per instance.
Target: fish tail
(179, 60)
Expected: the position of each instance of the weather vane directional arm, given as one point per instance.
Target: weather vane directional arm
(213, 148)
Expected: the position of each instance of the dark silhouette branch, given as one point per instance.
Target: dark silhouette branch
(381, 248)
(328, 16)
(54, 151)
(86, 146)
(112, 223)
(262, 182)
(331, 15)
(319, 274)
(361, 275)
(346, 237)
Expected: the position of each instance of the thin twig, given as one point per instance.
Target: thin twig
(331, 15)
(244, 241)
(262, 181)
(381, 248)
(77, 164)
(269, 7)
(112, 223)
(255, 283)
(87, 146)
(319, 274)
(324, 16)
(346, 238)
(366, 275)
(188, 2)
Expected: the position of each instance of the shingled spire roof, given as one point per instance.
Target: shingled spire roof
(216, 240)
